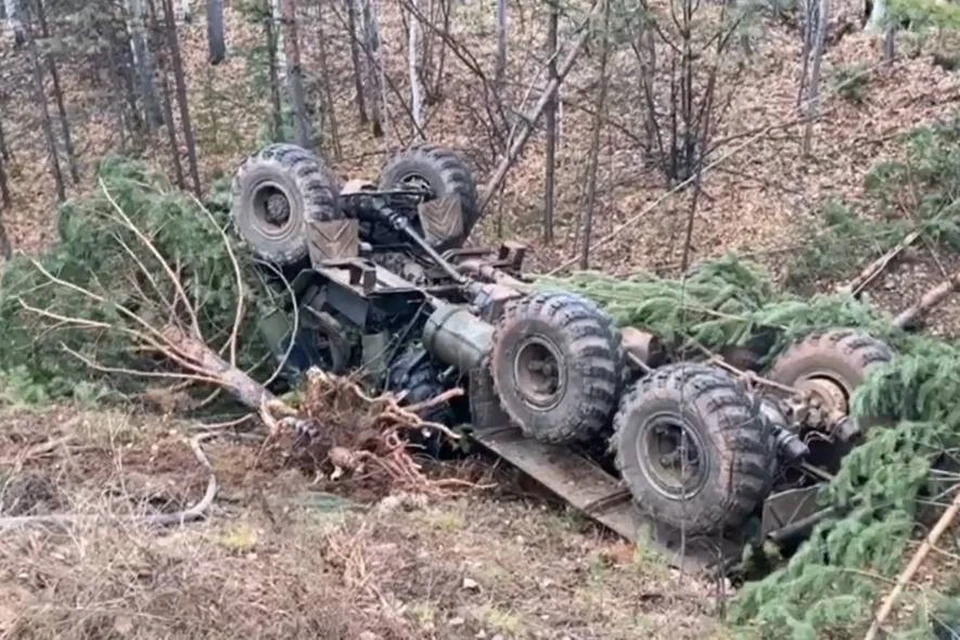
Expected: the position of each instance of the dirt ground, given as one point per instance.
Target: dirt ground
(279, 558)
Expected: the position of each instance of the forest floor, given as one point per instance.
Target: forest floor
(280, 559)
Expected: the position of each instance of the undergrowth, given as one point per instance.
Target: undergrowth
(34, 364)
(920, 191)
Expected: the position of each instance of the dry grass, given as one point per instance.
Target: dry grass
(280, 559)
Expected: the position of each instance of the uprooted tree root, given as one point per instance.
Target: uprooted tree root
(341, 433)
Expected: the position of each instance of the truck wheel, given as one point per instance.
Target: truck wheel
(275, 192)
(557, 365)
(693, 448)
(444, 174)
(830, 365)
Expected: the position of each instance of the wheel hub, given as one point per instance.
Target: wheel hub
(671, 455)
(539, 373)
(271, 206)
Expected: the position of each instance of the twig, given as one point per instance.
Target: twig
(875, 268)
(908, 317)
(907, 574)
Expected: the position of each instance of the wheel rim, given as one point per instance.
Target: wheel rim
(539, 373)
(417, 181)
(826, 391)
(672, 456)
(272, 208)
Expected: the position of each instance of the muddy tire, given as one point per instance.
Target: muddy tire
(842, 356)
(444, 172)
(557, 366)
(729, 447)
(275, 192)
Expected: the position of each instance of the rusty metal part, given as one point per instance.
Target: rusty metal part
(645, 348)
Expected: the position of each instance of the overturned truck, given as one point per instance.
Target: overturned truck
(693, 458)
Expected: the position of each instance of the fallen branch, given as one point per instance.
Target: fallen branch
(907, 574)
(196, 512)
(909, 317)
(875, 268)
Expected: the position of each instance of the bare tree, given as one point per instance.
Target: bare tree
(143, 63)
(550, 120)
(301, 123)
(329, 106)
(216, 44)
(173, 49)
(373, 63)
(15, 20)
(500, 69)
(598, 120)
(167, 102)
(5, 154)
(413, 64)
(270, 32)
(46, 123)
(58, 99)
(5, 198)
(817, 14)
(355, 59)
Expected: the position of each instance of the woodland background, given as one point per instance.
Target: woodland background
(811, 138)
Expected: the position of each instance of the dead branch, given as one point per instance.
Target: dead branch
(907, 574)
(195, 512)
(909, 317)
(875, 268)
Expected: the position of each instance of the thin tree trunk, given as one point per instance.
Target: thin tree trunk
(437, 92)
(329, 106)
(15, 21)
(890, 44)
(550, 119)
(909, 317)
(528, 120)
(46, 123)
(4, 149)
(413, 62)
(595, 141)
(173, 46)
(167, 104)
(216, 44)
(355, 58)
(500, 70)
(813, 104)
(274, 75)
(5, 198)
(58, 100)
(301, 123)
(275, 13)
(374, 66)
(143, 63)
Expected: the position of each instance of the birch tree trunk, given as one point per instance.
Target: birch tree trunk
(143, 63)
(276, 15)
(173, 46)
(301, 123)
(58, 99)
(413, 63)
(15, 21)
